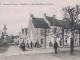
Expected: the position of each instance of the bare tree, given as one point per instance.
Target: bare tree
(71, 14)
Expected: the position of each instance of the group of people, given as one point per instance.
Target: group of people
(29, 45)
(23, 45)
(55, 45)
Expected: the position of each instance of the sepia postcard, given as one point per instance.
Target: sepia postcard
(39, 29)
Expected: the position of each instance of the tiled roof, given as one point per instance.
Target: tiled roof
(60, 23)
(51, 20)
(40, 23)
(65, 24)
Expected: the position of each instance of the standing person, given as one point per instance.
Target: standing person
(60, 42)
(55, 47)
(75, 41)
(23, 46)
(71, 45)
(50, 44)
(41, 41)
(31, 44)
(66, 41)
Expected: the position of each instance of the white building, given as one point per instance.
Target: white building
(35, 28)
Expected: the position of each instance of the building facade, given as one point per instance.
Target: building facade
(36, 30)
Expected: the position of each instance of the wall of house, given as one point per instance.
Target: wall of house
(37, 35)
(30, 31)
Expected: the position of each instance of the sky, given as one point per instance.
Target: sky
(17, 17)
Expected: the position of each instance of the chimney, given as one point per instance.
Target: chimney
(44, 14)
(54, 16)
(31, 15)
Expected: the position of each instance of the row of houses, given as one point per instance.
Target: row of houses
(47, 29)
(38, 27)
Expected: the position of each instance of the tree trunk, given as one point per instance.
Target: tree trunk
(79, 37)
(72, 42)
(63, 35)
(45, 38)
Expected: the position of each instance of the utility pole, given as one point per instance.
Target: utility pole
(63, 35)
(37, 34)
(45, 34)
(79, 37)
(45, 38)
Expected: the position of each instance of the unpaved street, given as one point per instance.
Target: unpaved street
(14, 53)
